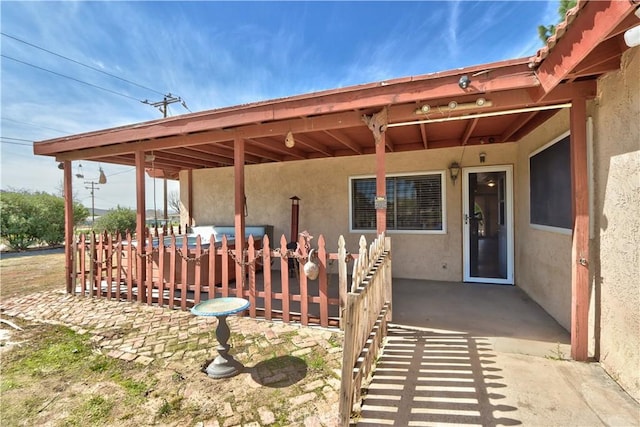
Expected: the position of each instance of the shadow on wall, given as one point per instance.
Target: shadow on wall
(432, 378)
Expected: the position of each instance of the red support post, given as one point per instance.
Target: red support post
(580, 237)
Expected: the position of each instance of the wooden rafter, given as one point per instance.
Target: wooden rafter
(591, 26)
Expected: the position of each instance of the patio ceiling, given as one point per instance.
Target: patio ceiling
(516, 94)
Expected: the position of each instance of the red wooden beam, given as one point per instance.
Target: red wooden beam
(240, 203)
(140, 221)
(68, 226)
(580, 237)
(594, 23)
(381, 186)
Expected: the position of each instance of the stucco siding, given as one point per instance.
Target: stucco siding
(323, 187)
(543, 258)
(616, 266)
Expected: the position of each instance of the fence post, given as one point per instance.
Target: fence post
(342, 279)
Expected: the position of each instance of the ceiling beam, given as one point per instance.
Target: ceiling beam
(314, 145)
(346, 141)
(423, 135)
(468, 131)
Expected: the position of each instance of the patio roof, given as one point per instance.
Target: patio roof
(502, 102)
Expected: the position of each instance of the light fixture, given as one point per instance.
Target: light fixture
(453, 105)
(483, 157)
(289, 142)
(454, 171)
(464, 82)
(479, 115)
(491, 183)
(61, 166)
(632, 35)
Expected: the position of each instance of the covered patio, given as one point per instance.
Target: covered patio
(488, 105)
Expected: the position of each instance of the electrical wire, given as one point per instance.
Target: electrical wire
(80, 63)
(34, 125)
(71, 78)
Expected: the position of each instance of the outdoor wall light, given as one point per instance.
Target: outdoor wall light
(289, 142)
(464, 82)
(454, 171)
(483, 157)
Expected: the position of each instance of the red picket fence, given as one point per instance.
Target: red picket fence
(179, 271)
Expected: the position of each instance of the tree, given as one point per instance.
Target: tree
(546, 31)
(173, 200)
(35, 218)
(116, 220)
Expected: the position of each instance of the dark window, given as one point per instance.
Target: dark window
(550, 180)
(414, 202)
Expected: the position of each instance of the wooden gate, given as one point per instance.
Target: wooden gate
(367, 311)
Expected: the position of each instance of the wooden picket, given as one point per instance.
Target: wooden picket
(367, 310)
(173, 271)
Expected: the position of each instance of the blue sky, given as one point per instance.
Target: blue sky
(216, 54)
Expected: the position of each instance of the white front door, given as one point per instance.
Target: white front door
(488, 224)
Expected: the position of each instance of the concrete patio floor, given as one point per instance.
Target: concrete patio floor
(475, 354)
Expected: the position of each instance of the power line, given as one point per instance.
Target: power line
(14, 143)
(71, 78)
(33, 124)
(16, 139)
(80, 63)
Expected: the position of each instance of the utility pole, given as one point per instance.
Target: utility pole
(93, 205)
(91, 185)
(163, 107)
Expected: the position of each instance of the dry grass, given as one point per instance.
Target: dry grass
(26, 274)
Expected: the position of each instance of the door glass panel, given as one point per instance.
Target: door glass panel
(487, 225)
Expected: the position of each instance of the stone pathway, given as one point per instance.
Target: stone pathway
(147, 334)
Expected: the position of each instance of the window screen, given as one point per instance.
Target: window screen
(550, 181)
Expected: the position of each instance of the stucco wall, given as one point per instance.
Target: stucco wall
(323, 187)
(542, 258)
(616, 268)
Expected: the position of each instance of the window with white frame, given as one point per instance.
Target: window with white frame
(414, 203)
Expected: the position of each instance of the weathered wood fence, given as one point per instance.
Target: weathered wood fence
(367, 311)
(180, 271)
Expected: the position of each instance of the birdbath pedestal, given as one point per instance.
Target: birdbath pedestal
(224, 365)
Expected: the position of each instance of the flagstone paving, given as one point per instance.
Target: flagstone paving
(171, 338)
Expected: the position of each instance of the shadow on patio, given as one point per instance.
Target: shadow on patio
(475, 354)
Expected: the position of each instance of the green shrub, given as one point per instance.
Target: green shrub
(116, 220)
(28, 218)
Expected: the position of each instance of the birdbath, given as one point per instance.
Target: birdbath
(224, 365)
